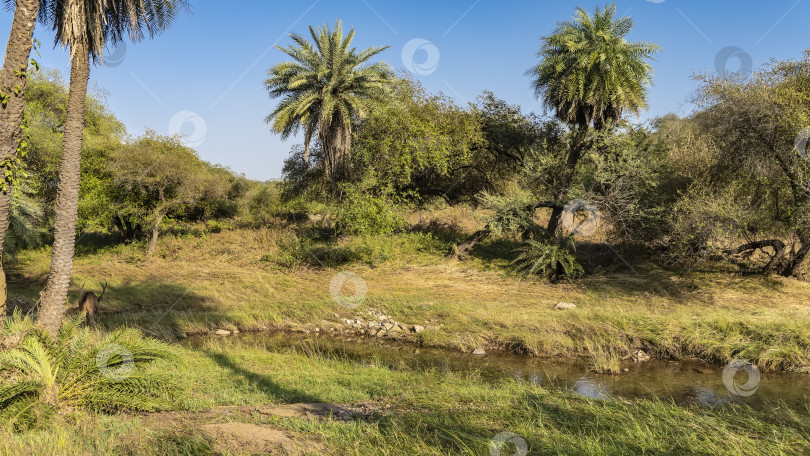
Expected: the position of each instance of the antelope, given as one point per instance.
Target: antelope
(88, 304)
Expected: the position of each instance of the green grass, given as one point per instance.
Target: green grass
(430, 413)
(259, 279)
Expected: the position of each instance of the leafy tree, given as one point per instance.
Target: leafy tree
(756, 192)
(416, 144)
(326, 86)
(13, 78)
(86, 28)
(163, 175)
(591, 75)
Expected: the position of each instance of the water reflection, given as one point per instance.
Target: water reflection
(687, 382)
(591, 388)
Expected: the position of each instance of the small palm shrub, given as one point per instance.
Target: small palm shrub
(552, 260)
(41, 375)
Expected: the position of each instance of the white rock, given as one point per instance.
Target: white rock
(565, 306)
(479, 352)
(222, 332)
(417, 328)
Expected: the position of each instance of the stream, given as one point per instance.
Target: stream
(684, 382)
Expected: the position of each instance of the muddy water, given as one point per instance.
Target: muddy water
(685, 382)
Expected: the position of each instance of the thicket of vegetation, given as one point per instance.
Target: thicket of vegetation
(728, 186)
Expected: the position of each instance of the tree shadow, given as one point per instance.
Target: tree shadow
(262, 382)
(157, 308)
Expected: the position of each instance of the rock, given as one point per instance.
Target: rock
(565, 306)
(388, 325)
(479, 352)
(417, 328)
(222, 332)
(639, 356)
(397, 328)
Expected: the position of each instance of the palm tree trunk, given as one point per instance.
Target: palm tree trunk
(12, 85)
(67, 198)
(577, 146)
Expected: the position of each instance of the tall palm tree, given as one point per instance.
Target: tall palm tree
(12, 103)
(591, 75)
(324, 89)
(86, 27)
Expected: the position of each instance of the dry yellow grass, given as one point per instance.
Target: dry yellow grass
(219, 281)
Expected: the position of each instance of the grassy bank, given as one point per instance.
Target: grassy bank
(412, 413)
(273, 278)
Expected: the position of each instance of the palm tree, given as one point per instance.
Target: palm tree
(324, 89)
(591, 75)
(12, 103)
(86, 27)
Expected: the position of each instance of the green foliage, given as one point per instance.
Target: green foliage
(42, 375)
(25, 219)
(589, 72)
(311, 250)
(551, 260)
(757, 165)
(416, 143)
(324, 89)
(365, 212)
(508, 215)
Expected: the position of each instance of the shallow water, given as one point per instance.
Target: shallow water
(684, 382)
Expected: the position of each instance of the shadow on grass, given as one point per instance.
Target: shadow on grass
(262, 382)
(156, 307)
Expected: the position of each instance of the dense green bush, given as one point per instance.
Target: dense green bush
(365, 212)
(41, 375)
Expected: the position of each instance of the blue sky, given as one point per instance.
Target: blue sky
(204, 76)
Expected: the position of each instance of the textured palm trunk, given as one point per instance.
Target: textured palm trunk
(337, 143)
(12, 85)
(570, 169)
(67, 198)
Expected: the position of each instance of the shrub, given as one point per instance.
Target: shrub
(43, 375)
(552, 260)
(368, 213)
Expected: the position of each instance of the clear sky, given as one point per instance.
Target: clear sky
(203, 77)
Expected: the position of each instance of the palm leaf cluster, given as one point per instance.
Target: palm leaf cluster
(551, 260)
(42, 375)
(324, 89)
(589, 72)
(91, 25)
